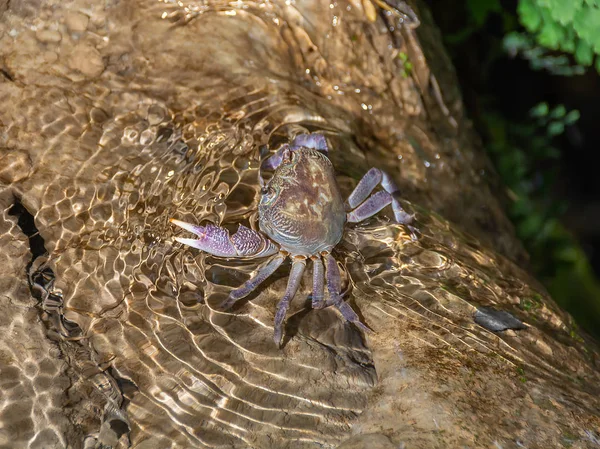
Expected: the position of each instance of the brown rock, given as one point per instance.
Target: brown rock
(15, 165)
(76, 22)
(368, 441)
(48, 36)
(87, 60)
(100, 199)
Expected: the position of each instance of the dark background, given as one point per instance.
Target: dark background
(566, 186)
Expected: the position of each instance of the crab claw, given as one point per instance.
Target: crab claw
(217, 241)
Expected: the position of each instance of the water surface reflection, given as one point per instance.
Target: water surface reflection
(151, 110)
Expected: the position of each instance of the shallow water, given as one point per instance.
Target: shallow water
(152, 110)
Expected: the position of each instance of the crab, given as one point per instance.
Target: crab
(302, 216)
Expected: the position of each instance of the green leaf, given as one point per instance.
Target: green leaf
(558, 112)
(515, 42)
(572, 117)
(552, 33)
(530, 226)
(556, 128)
(584, 54)
(571, 26)
(529, 15)
(568, 43)
(568, 253)
(563, 11)
(539, 110)
(587, 23)
(481, 9)
(596, 43)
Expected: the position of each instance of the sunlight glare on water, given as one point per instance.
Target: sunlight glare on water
(142, 111)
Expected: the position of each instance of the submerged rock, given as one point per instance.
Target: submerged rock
(112, 333)
(497, 320)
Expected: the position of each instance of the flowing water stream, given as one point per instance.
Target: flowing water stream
(117, 116)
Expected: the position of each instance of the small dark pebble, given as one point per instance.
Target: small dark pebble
(497, 320)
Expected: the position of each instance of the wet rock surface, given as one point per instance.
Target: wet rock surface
(120, 115)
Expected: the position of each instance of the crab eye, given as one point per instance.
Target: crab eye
(267, 191)
(268, 195)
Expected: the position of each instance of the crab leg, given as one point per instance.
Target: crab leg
(366, 185)
(318, 283)
(334, 281)
(294, 282)
(374, 204)
(217, 241)
(336, 299)
(264, 271)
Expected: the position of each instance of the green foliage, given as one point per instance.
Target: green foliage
(554, 120)
(406, 64)
(571, 26)
(558, 37)
(516, 43)
(518, 151)
(554, 30)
